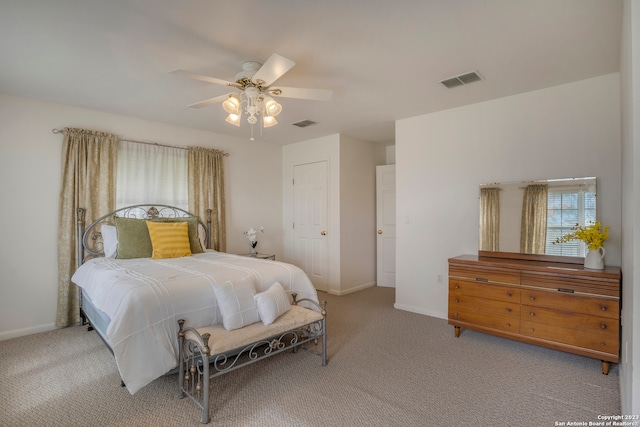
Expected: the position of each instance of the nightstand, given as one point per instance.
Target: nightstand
(260, 256)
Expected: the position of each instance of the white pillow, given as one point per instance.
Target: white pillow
(236, 303)
(109, 240)
(202, 236)
(272, 303)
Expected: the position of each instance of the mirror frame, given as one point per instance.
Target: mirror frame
(527, 256)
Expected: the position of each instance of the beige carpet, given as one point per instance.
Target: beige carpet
(386, 368)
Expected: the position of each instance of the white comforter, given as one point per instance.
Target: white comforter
(144, 299)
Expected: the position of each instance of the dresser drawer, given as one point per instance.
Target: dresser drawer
(485, 320)
(481, 274)
(580, 323)
(471, 304)
(571, 303)
(592, 341)
(484, 290)
(572, 283)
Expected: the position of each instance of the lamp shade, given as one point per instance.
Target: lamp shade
(271, 107)
(232, 104)
(234, 119)
(268, 121)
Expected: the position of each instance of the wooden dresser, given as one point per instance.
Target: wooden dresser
(538, 300)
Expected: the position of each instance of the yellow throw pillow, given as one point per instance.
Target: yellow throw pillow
(169, 239)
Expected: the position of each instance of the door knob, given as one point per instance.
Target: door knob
(379, 231)
(323, 233)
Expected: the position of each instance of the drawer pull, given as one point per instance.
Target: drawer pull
(481, 279)
(531, 330)
(457, 286)
(532, 314)
(603, 307)
(603, 326)
(602, 344)
(455, 314)
(509, 294)
(508, 310)
(456, 300)
(508, 325)
(532, 298)
(567, 290)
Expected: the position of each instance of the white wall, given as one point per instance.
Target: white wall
(351, 203)
(442, 158)
(30, 163)
(315, 150)
(358, 161)
(630, 93)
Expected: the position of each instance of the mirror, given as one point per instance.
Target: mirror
(551, 207)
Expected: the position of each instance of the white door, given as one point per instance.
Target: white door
(386, 225)
(310, 222)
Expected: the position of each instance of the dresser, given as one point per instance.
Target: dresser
(540, 300)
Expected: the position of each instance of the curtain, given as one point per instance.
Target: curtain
(489, 219)
(149, 173)
(206, 191)
(88, 181)
(533, 228)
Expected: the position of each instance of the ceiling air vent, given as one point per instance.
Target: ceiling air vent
(461, 79)
(304, 123)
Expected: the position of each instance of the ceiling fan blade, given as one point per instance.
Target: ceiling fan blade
(301, 93)
(200, 77)
(273, 69)
(210, 101)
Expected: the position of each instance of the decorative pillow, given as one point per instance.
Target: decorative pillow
(109, 240)
(202, 237)
(272, 303)
(133, 238)
(169, 239)
(236, 303)
(194, 240)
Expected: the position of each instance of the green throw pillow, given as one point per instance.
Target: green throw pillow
(133, 238)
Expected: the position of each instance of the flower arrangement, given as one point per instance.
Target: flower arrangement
(593, 235)
(251, 235)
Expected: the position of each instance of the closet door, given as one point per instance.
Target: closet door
(310, 213)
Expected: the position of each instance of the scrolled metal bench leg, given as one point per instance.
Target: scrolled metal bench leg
(205, 380)
(324, 333)
(180, 359)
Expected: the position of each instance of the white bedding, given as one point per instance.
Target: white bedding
(144, 299)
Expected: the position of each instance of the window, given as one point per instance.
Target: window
(565, 209)
(148, 173)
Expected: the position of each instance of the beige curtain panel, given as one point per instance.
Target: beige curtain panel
(88, 181)
(206, 191)
(533, 229)
(490, 219)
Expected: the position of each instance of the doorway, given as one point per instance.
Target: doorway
(386, 225)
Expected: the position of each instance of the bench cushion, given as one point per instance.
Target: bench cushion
(223, 341)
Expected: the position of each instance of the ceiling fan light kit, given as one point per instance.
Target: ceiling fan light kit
(254, 83)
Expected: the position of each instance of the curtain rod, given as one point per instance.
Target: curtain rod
(56, 131)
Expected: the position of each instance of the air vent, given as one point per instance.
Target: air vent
(461, 79)
(304, 123)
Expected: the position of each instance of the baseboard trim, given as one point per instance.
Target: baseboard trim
(352, 290)
(7, 335)
(418, 310)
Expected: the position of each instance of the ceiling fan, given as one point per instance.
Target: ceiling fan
(255, 84)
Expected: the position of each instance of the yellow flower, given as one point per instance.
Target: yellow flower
(592, 235)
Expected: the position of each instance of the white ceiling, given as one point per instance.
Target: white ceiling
(383, 59)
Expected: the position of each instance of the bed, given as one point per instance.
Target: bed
(135, 302)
